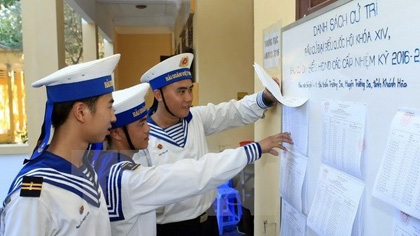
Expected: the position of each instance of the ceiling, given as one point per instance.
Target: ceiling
(159, 16)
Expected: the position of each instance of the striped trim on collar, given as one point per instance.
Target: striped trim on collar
(110, 166)
(59, 172)
(78, 185)
(175, 134)
(113, 195)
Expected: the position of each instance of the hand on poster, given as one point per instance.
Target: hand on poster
(274, 88)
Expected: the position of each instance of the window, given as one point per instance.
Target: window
(305, 7)
(13, 128)
(13, 120)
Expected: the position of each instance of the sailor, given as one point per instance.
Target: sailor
(133, 192)
(179, 132)
(57, 192)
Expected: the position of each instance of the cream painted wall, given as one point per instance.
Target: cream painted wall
(49, 51)
(139, 52)
(267, 199)
(90, 41)
(223, 44)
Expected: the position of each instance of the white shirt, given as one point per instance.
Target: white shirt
(58, 210)
(166, 146)
(134, 192)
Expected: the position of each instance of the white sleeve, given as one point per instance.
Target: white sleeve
(27, 216)
(227, 115)
(149, 188)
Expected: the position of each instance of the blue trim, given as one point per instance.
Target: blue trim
(168, 135)
(96, 148)
(189, 117)
(80, 90)
(253, 152)
(86, 192)
(114, 195)
(162, 137)
(170, 77)
(185, 133)
(70, 92)
(129, 116)
(262, 103)
(61, 173)
(47, 130)
(109, 168)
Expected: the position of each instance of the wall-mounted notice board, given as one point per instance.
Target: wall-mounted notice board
(361, 52)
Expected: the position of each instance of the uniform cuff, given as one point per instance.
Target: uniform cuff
(262, 103)
(253, 152)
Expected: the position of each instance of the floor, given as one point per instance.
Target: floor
(233, 232)
(245, 226)
(244, 183)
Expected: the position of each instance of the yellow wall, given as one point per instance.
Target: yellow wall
(223, 44)
(267, 204)
(11, 58)
(139, 52)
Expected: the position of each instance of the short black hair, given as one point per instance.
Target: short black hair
(61, 110)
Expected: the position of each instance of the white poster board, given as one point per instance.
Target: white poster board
(357, 51)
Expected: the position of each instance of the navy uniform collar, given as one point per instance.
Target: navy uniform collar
(188, 119)
(61, 173)
(110, 166)
(176, 134)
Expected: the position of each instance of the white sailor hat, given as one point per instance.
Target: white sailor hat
(129, 104)
(72, 83)
(171, 70)
(89, 79)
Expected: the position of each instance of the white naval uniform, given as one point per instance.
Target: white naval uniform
(188, 141)
(134, 192)
(59, 210)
